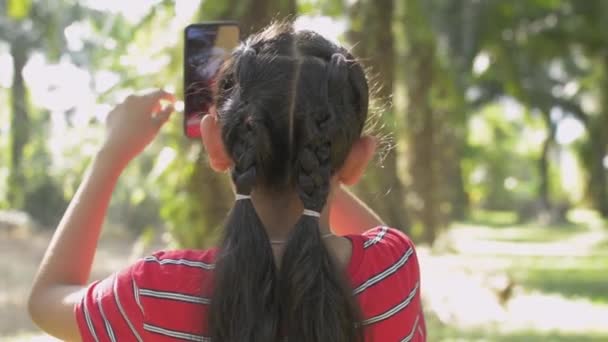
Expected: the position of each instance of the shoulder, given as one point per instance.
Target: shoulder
(169, 265)
(387, 285)
(386, 253)
(385, 239)
(203, 259)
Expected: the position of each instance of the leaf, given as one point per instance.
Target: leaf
(19, 9)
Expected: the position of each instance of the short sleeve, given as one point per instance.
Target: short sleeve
(400, 241)
(390, 286)
(110, 310)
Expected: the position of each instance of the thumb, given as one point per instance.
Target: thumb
(162, 116)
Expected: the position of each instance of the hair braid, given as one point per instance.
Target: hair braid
(244, 239)
(285, 138)
(315, 297)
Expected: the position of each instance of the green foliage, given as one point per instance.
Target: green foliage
(19, 9)
(499, 164)
(480, 158)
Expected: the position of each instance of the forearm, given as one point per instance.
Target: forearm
(69, 257)
(349, 215)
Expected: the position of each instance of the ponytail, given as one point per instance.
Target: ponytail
(315, 297)
(245, 303)
(316, 302)
(288, 142)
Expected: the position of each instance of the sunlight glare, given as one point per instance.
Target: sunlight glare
(328, 27)
(57, 87)
(479, 175)
(510, 183)
(532, 137)
(104, 80)
(569, 130)
(164, 159)
(101, 111)
(110, 43)
(6, 70)
(76, 34)
(481, 63)
(184, 9)
(513, 110)
(133, 11)
(179, 106)
(590, 103)
(571, 88)
(571, 176)
(152, 66)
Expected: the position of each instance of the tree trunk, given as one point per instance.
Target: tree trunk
(427, 125)
(422, 142)
(543, 165)
(20, 122)
(598, 182)
(371, 33)
(458, 196)
(598, 185)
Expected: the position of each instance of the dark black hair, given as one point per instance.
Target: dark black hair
(290, 104)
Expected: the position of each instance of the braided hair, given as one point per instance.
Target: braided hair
(290, 104)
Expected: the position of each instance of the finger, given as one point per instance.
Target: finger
(162, 116)
(160, 94)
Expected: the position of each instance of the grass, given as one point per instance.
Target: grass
(578, 277)
(602, 246)
(533, 233)
(504, 226)
(569, 280)
(438, 331)
(493, 219)
(574, 277)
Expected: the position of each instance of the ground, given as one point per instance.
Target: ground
(484, 281)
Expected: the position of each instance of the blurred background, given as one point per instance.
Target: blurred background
(496, 111)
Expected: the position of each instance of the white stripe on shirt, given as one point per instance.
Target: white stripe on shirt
(409, 337)
(87, 317)
(109, 330)
(185, 262)
(174, 296)
(136, 295)
(386, 273)
(376, 238)
(394, 310)
(122, 311)
(175, 333)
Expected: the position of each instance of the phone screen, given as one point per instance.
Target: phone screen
(207, 47)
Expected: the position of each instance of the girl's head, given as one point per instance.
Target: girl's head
(283, 98)
(291, 108)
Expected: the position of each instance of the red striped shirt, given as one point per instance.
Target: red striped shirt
(165, 297)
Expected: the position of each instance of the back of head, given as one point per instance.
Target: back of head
(291, 104)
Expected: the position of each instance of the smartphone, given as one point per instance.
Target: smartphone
(207, 46)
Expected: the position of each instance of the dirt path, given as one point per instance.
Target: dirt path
(464, 288)
(20, 255)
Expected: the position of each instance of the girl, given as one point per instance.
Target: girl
(291, 109)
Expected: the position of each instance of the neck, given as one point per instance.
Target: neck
(279, 212)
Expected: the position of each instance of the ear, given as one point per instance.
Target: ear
(212, 140)
(361, 153)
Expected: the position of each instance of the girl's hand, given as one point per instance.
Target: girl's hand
(133, 124)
